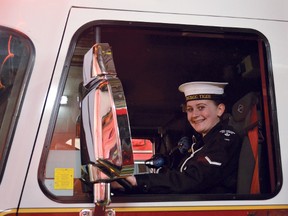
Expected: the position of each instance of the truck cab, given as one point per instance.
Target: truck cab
(45, 154)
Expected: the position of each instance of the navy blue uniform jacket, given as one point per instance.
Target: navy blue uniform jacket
(211, 168)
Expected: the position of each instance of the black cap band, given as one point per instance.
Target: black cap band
(204, 97)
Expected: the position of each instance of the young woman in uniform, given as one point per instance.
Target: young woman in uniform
(213, 163)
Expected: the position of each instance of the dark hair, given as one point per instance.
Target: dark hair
(220, 100)
(217, 102)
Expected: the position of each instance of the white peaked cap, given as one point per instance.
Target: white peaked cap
(202, 90)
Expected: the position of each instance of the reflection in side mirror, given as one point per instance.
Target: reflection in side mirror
(105, 135)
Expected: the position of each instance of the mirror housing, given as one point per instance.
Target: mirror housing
(106, 147)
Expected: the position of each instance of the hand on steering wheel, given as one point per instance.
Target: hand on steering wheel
(124, 183)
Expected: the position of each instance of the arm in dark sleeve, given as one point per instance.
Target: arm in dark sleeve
(207, 169)
(196, 178)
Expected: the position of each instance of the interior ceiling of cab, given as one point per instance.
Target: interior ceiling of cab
(152, 63)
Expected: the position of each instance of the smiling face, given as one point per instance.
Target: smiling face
(203, 115)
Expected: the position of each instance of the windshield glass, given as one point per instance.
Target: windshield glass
(15, 59)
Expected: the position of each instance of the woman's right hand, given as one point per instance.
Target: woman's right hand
(129, 180)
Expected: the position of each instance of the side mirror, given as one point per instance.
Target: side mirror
(105, 133)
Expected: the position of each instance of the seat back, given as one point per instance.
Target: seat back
(245, 121)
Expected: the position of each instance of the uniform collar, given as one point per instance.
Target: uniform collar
(212, 132)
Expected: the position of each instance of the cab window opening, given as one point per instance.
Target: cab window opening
(151, 63)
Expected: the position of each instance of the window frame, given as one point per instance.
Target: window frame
(269, 102)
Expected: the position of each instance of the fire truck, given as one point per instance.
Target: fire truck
(89, 93)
